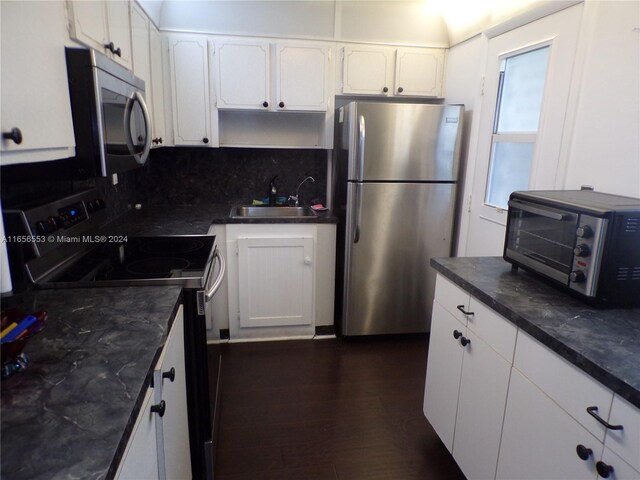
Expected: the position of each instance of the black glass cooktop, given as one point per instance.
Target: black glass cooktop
(179, 260)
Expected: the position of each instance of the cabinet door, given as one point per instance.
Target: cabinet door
(621, 469)
(140, 460)
(35, 88)
(367, 70)
(539, 439)
(301, 77)
(419, 72)
(625, 442)
(119, 30)
(88, 23)
(243, 75)
(141, 52)
(190, 85)
(483, 393)
(157, 87)
(275, 281)
(444, 366)
(175, 426)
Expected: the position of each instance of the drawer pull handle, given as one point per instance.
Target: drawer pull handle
(159, 408)
(457, 334)
(461, 308)
(583, 452)
(603, 469)
(171, 374)
(464, 341)
(592, 411)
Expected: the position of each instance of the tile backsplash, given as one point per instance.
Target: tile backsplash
(193, 175)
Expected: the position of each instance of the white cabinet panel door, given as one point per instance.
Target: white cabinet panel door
(367, 70)
(539, 439)
(419, 72)
(243, 75)
(157, 87)
(88, 23)
(275, 281)
(625, 442)
(119, 28)
(444, 365)
(302, 77)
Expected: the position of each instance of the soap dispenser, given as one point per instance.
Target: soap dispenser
(273, 191)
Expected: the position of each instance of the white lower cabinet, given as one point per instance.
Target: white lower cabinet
(159, 444)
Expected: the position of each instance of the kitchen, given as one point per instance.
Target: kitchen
(595, 39)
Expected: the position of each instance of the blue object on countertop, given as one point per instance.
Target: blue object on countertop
(24, 324)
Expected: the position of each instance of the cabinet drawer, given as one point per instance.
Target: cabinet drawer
(625, 442)
(621, 469)
(494, 329)
(566, 384)
(449, 295)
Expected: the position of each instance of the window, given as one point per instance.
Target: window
(515, 128)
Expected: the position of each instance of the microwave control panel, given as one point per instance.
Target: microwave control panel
(587, 254)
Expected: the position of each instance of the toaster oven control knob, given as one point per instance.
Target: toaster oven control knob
(584, 231)
(577, 276)
(582, 250)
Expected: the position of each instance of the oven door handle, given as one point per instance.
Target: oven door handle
(540, 211)
(218, 281)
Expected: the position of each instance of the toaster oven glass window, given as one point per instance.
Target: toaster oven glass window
(520, 92)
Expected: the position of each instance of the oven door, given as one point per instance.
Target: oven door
(541, 238)
(123, 123)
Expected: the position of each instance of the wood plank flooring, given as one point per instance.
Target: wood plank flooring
(328, 409)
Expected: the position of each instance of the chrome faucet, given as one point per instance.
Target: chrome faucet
(296, 197)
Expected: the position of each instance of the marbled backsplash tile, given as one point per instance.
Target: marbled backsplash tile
(193, 175)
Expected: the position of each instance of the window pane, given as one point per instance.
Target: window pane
(521, 93)
(508, 171)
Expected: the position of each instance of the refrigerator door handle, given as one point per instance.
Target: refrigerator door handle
(358, 211)
(361, 141)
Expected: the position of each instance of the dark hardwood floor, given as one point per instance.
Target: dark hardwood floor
(328, 409)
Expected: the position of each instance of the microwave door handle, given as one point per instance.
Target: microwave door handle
(141, 158)
(218, 281)
(539, 211)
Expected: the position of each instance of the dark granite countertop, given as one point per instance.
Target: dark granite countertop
(191, 220)
(605, 343)
(70, 414)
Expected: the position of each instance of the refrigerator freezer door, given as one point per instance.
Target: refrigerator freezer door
(403, 142)
(388, 283)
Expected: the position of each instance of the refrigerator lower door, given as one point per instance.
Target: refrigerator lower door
(393, 230)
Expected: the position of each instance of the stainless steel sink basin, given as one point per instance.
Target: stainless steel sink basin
(264, 211)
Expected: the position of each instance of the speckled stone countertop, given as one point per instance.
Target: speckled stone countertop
(605, 343)
(191, 220)
(70, 414)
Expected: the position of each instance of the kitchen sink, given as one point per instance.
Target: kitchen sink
(265, 211)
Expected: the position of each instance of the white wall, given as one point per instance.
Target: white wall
(604, 148)
(601, 140)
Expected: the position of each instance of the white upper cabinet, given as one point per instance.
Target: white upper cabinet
(103, 26)
(157, 90)
(419, 72)
(35, 89)
(242, 75)
(302, 77)
(380, 70)
(140, 50)
(189, 70)
(248, 79)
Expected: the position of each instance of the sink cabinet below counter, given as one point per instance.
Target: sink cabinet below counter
(518, 372)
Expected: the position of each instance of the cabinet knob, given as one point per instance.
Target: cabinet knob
(14, 134)
(265, 104)
(603, 469)
(205, 140)
(281, 104)
(307, 260)
(171, 374)
(464, 341)
(385, 89)
(400, 89)
(583, 452)
(118, 52)
(457, 334)
(160, 140)
(110, 46)
(159, 408)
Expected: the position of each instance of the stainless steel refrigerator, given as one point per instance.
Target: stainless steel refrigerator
(395, 174)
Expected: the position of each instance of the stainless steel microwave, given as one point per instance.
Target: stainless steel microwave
(110, 119)
(587, 242)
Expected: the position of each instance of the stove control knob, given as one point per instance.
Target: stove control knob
(91, 207)
(577, 276)
(42, 227)
(582, 250)
(584, 231)
(100, 204)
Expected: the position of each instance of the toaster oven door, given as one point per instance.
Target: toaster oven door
(541, 238)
